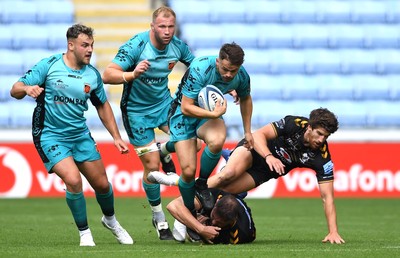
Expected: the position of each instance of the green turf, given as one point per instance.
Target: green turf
(285, 228)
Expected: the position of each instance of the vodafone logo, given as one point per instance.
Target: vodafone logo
(15, 174)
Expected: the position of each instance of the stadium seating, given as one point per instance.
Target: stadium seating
(5, 86)
(36, 11)
(303, 54)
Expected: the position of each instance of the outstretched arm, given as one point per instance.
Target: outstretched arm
(326, 191)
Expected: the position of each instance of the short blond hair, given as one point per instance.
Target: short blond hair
(163, 10)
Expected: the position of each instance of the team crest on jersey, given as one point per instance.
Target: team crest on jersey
(171, 65)
(87, 88)
(283, 153)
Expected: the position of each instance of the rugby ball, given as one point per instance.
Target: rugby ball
(208, 97)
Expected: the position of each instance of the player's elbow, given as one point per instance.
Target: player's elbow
(185, 110)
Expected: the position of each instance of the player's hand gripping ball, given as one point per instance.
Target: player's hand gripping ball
(209, 96)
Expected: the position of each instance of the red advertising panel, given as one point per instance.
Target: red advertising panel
(361, 170)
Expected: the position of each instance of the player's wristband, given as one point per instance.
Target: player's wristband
(123, 77)
(266, 156)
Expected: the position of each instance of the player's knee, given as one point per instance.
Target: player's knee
(216, 145)
(225, 177)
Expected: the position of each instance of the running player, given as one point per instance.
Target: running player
(143, 64)
(62, 85)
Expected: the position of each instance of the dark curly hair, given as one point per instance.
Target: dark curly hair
(322, 117)
(233, 53)
(75, 30)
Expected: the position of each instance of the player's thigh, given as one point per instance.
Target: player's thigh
(212, 131)
(68, 171)
(243, 183)
(95, 174)
(239, 161)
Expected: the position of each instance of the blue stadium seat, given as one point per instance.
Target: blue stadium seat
(310, 36)
(335, 87)
(56, 35)
(4, 115)
(29, 36)
(22, 118)
(388, 61)
(345, 36)
(257, 61)
(267, 111)
(274, 35)
(285, 61)
(261, 11)
(368, 11)
(381, 36)
(205, 36)
(18, 11)
(55, 11)
(265, 87)
(349, 113)
(394, 86)
(299, 87)
(222, 11)
(233, 119)
(243, 34)
(392, 11)
(383, 113)
(298, 11)
(320, 61)
(6, 37)
(11, 62)
(191, 10)
(207, 52)
(334, 11)
(370, 87)
(7, 82)
(357, 61)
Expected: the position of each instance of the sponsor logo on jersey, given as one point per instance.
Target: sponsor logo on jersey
(328, 168)
(67, 100)
(59, 84)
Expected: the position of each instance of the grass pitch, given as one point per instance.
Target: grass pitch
(285, 228)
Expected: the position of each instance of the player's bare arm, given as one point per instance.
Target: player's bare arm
(114, 74)
(19, 90)
(260, 145)
(326, 191)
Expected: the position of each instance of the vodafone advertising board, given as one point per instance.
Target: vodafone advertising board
(362, 170)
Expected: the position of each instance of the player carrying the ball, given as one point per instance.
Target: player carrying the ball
(188, 121)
